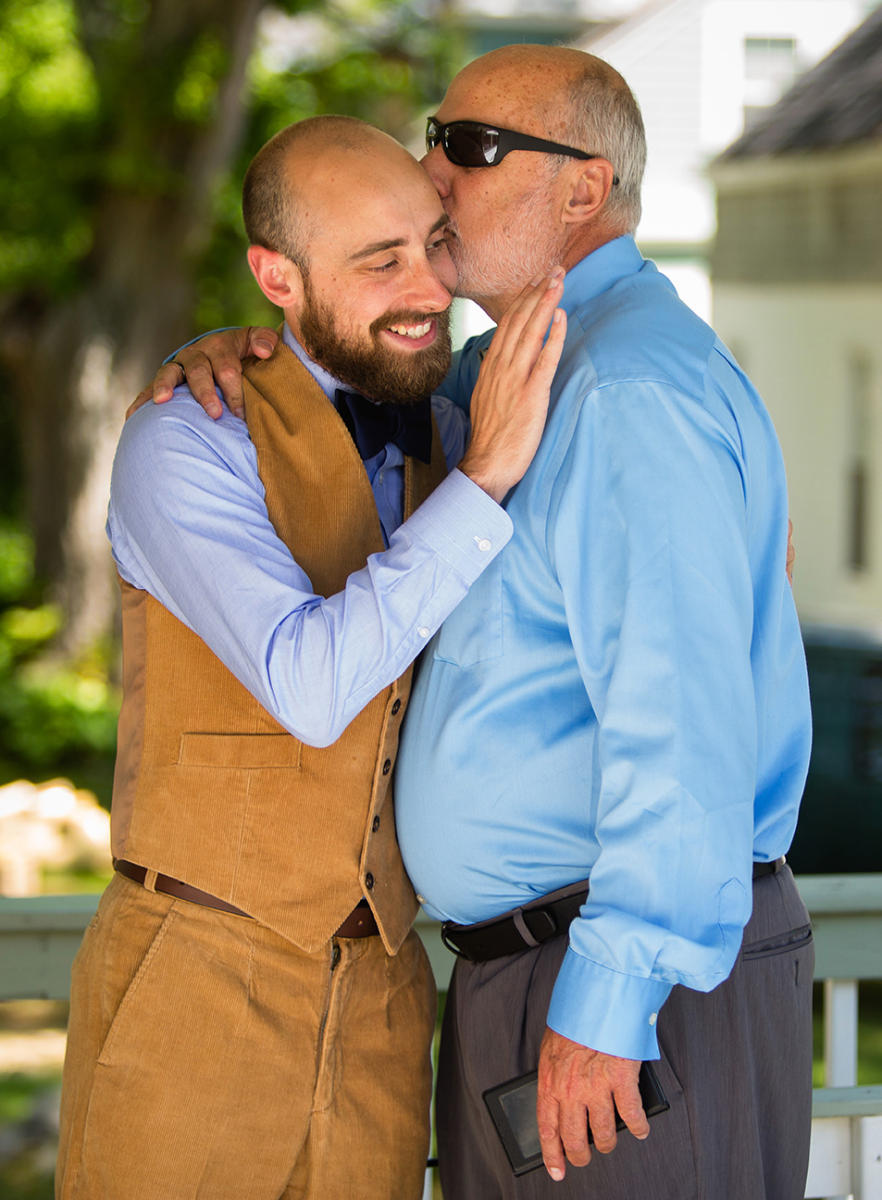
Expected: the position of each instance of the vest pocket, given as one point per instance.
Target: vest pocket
(473, 631)
(240, 751)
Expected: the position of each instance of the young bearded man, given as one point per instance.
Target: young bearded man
(251, 1014)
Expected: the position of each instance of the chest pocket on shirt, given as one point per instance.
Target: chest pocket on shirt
(473, 631)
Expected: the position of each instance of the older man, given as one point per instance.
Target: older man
(251, 1015)
(609, 737)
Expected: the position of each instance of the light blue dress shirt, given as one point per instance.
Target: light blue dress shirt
(623, 693)
(188, 523)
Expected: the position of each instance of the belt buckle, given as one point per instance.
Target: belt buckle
(532, 933)
(451, 945)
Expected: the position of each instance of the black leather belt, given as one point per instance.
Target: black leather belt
(534, 923)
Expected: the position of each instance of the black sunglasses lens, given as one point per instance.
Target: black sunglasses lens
(471, 145)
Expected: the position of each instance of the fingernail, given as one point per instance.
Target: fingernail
(556, 1174)
(538, 280)
(261, 345)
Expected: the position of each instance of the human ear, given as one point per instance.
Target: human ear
(277, 276)
(591, 184)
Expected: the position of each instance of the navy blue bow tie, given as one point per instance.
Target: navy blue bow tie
(374, 426)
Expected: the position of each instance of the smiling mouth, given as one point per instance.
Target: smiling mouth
(416, 334)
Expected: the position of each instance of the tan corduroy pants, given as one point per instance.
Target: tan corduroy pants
(209, 1058)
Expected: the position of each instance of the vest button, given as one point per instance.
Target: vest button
(375, 824)
(369, 881)
(396, 708)
(387, 766)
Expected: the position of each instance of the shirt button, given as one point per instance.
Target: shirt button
(423, 632)
(387, 766)
(369, 882)
(653, 1017)
(420, 899)
(396, 708)
(483, 544)
(375, 824)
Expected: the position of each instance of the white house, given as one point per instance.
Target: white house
(701, 70)
(797, 282)
(797, 285)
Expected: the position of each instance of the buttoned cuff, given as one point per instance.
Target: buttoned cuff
(462, 524)
(606, 1010)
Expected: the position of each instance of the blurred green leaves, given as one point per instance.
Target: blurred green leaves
(55, 718)
(125, 144)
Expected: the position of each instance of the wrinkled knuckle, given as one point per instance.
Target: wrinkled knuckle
(547, 1129)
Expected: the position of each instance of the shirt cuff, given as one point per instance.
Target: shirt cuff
(462, 524)
(606, 1010)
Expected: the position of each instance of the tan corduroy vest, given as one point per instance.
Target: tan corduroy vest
(209, 788)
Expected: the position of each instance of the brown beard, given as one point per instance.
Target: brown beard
(379, 372)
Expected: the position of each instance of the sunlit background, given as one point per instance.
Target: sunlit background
(126, 127)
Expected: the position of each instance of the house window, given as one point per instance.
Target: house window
(770, 66)
(858, 462)
(772, 59)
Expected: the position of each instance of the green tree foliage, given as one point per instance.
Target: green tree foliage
(88, 113)
(126, 128)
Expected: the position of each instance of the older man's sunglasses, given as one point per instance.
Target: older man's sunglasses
(474, 144)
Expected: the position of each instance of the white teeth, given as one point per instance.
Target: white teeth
(412, 331)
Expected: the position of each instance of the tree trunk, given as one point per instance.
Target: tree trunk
(80, 363)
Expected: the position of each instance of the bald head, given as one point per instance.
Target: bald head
(571, 97)
(288, 179)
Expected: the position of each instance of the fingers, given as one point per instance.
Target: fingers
(549, 355)
(216, 361)
(524, 324)
(578, 1085)
(261, 341)
(548, 1120)
(630, 1109)
(200, 377)
(164, 383)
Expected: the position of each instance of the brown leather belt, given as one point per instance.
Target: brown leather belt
(360, 922)
(174, 887)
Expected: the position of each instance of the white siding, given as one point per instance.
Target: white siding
(799, 346)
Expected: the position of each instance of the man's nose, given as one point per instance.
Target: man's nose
(436, 165)
(428, 291)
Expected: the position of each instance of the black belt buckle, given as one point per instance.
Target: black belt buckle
(450, 943)
(521, 929)
(541, 926)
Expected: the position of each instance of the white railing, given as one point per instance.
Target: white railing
(39, 936)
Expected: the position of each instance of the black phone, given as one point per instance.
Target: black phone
(512, 1106)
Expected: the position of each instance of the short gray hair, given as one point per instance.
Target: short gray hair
(604, 118)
